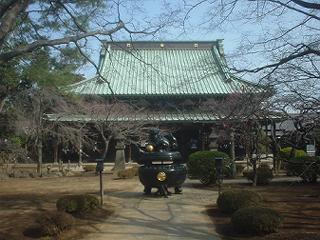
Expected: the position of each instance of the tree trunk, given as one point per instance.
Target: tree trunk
(80, 149)
(233, 155)
(39, 136)
(55, 151)
(2, 103)
(254, 169)
(106, 141)
(275, 148)
(9, 17)
(39, 150)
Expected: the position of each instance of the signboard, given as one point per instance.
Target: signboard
(311, 150)
(100, 165)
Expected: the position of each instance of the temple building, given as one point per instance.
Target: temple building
(169, 83)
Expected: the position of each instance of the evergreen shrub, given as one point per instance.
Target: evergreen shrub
(306, 167)
(231, 201)
(201, 165)
(264, 175)
(77, 204)
(285, 153)
(256, 220)
(53, 223)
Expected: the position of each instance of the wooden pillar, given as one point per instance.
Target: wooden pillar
(275, 157)
(39, 148)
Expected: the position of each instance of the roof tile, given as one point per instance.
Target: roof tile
(166, 71)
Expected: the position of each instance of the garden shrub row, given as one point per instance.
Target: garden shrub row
(247, 214)
(231, 201)
(256, 220)
(52, 224)
(306, 167)
(286, 152)
(298, 164)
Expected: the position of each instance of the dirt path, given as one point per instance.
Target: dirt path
(177, 217)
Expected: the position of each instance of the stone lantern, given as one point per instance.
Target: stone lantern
(213, 137)
(119, 162)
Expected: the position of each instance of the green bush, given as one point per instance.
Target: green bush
(16, 140)
(285, 153)
(128, 173)
(201, 165)
(264, 175)
(256, 220)
(77, 204)
(306, 167)
(231, 201)
(53, 223)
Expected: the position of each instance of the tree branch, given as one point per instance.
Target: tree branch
(5, 5)
(295, 9)
(307, 51)
(307, 4)
(10, 16)
(6, 56)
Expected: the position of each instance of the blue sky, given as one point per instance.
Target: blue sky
(154, 8)
(235, 33)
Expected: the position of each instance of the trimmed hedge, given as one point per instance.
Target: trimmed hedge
(201, 165)
(256, 220)
(53, 223)
(306, 167)
(285, 153)
(264, 175)
(77, 204)
(231, 201)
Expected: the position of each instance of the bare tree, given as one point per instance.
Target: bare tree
(112, 120)
(29, 25)
(282, 48)
(31, 122)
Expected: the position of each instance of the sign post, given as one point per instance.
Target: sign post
(311, 150)
(99, 169)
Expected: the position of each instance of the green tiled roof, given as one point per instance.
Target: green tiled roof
(163, 68)
(139, 117)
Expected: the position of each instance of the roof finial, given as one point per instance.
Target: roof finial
(220, 46)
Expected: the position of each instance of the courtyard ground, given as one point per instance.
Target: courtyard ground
(192, 215)
(299, 204)
(136, 216)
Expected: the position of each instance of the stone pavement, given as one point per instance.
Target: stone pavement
(140, 217)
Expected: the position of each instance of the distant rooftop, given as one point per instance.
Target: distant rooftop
(163, 68)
